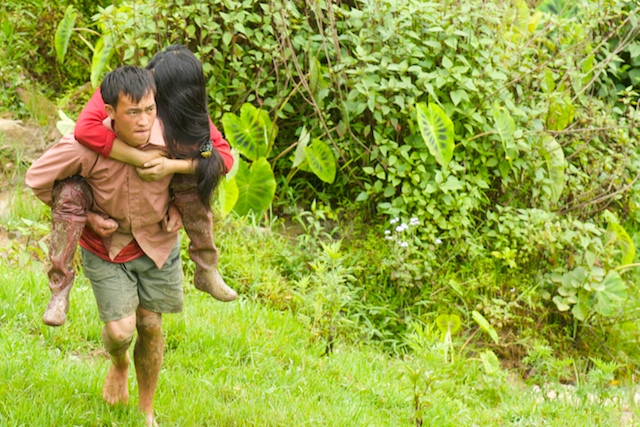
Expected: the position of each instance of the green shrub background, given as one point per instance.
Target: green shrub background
(502, 229)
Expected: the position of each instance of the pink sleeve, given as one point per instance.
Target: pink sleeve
(219, 143)
(90, 131)
(62, 160)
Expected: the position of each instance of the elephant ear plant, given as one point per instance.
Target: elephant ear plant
(102, 50)
(251, 185)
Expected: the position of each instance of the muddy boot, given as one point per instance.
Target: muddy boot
(197, 221)
(72, 199)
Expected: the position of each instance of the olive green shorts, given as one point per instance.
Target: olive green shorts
(120, 288)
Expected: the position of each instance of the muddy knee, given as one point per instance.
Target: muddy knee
(118, 334)
(148, 323)
(71, 197)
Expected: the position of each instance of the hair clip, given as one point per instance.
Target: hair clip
(206, 149)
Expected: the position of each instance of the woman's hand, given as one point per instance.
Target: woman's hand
(155, 169)
(160, 167)
(104, 227)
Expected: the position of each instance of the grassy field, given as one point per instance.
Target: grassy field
(226, 365)
(247, 363)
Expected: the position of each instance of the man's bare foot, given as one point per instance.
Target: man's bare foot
(116, 389)
(151, 421)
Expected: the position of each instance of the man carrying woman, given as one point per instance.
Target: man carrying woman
(200, 157)
(131, 252)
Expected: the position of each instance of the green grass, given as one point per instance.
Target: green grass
(238, 364)
(255, 363)
(245, 364)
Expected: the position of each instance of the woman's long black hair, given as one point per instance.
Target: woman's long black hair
(181, 98)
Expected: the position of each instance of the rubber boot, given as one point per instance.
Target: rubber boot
(72, 198)
(197, 221)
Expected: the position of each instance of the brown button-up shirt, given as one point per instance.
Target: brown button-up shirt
(138, 206)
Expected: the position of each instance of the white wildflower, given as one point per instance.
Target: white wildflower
(403, 244)
(414, 221)
(394, 220)
(401, 227)
(438, 241)
(387, 232)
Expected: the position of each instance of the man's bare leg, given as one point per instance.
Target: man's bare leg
(148, 354)
(117, 337)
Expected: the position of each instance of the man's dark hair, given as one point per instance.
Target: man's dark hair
(132, 82)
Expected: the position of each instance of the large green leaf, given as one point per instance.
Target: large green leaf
(256, 186)
(580, 310)
(448, 325)
(228, 189)
(506, 127)
(236, 161)
(65, 125)
(614, 290)
(315, 76)
(63, 32)
(625, 242)
(561, 303)
(490, 362)
(252, 133)
(317, 83)
(321, 160)
(555, 166)
(575, 278)
(485, 325)
(101, 55)
(437, 131)
(227, 195)
(300, 156)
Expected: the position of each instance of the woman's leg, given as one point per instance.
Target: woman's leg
(72, 198)
(197, 221)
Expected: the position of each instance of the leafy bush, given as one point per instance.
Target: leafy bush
(508, 79)
(501, 129)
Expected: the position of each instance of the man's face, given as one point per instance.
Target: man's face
(133, 121)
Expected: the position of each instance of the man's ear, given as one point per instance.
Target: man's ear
(110, 111)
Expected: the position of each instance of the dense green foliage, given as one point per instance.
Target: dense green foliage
(471, 159)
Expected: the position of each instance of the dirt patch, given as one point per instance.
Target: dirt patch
(24, 143)
(4, 238)
(20, 145)
(4, 203)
